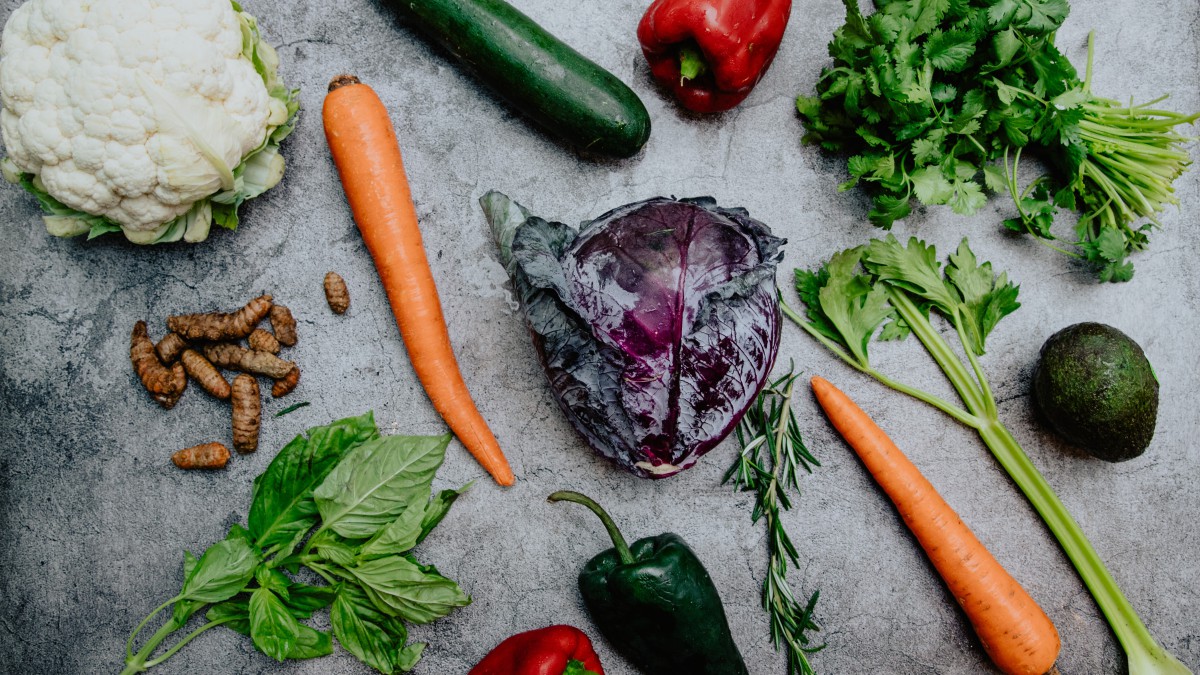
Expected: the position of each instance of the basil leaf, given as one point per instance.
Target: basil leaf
(305, 599)
(189, 563)
(438, 507)
(406, 659)
(236, 610)
(273, 580)
(372, 637)
(274, 630)
(301, 602)
(411, 528)
(282, 508)
(376, 481)
(400, 536)
(399, 587)
(337, 552)
(224, 570)
(311, 643)
(183, 610)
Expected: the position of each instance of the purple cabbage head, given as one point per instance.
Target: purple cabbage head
(657, 323)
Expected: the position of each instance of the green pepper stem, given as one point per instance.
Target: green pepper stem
(617, 539)
(691, 63)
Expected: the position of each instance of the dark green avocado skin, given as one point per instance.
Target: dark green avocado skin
(1095, 387)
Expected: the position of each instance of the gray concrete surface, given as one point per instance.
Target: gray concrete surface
(94, 517)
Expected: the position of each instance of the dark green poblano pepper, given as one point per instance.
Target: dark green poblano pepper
(656, 604)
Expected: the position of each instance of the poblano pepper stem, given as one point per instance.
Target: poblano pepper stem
(618, 539)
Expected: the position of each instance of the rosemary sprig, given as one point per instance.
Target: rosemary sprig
(773, 453)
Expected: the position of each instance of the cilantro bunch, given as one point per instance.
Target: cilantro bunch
(937, 99)
(346, 504)
(908, 291)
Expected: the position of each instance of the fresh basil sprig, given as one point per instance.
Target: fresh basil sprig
(347, 504)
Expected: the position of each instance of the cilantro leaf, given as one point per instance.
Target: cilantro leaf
(1007, 44)
(887, 209)
(968, 197)
(926, 151)
(931, 187)
(914, 268)
(994, 178)
(944, 92)
(985, 298)
(926, 14)
(1044, 16)
(1110, 245)
(842, 304)
(1117, 272)
(949, 51)
(1001, 13)
(808, 287)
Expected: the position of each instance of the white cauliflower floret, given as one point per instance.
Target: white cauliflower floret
(135, 110)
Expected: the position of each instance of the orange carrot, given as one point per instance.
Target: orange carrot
(367, 156)
(1016, 633)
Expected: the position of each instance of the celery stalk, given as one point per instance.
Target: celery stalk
(907, 282)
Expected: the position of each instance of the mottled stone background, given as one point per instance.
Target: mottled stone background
(93, 517)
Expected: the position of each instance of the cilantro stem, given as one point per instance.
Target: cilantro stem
(914, 268)
(982, 151)
(941, 352)
(1087, 73)
(1144, 653)
(950, 409)
(1139, 645)
(988, 401)
(1059, 249)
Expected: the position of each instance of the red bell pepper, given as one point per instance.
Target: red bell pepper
(711, 53)
(555, 650)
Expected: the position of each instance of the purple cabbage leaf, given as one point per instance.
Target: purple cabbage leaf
(656, 324)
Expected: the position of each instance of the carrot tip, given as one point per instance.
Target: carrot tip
(343, 81)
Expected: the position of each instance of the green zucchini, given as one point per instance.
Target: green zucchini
(546, 80)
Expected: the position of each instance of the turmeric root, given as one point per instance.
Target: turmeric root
(285, 385)
(234, 357)
(284, 325)
(205, 373)
(216, 326)
(203, 456)
(336, 293)
(165, 384)
(247, 413)
(262, 341)
(169, 348)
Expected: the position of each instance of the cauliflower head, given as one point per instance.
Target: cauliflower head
(150, 117)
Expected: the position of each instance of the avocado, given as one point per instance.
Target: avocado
(1094, 386)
